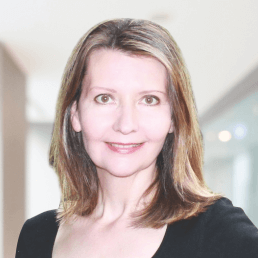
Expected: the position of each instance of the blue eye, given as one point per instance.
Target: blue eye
(151, 100)
(103, 99)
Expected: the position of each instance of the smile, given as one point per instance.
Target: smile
(124, 148)
(125, 145)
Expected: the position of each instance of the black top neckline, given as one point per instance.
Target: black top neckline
(164, 239)
(221, 231)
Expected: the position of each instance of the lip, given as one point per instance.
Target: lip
(120, 143)
(124, 150)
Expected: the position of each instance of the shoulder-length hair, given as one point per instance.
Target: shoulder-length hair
(180, 190)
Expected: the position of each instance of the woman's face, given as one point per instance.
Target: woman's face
(123, 112)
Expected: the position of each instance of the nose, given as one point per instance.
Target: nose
(126, 120)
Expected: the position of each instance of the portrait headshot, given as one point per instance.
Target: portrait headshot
(128, 151)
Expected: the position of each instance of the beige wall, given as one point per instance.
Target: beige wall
(12, 141)
(1, 160)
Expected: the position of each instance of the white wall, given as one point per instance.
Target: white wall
(42, 189)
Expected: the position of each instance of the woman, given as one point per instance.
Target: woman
(128, 152)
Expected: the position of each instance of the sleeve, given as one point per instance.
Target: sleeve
(21, 250)
(229, 233)
(37, 236)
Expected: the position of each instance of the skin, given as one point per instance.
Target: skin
(125, 115)
(115, 107)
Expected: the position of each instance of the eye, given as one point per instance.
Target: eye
(103, 99)
(151, 100)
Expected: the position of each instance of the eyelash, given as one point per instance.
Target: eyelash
(148, 96)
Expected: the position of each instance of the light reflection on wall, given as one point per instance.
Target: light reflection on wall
(231, 155)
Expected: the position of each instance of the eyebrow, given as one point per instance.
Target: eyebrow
(114, 91)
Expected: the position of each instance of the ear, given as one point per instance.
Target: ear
(171, 129)
(76, 124)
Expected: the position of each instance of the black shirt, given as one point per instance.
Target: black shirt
(222, 231)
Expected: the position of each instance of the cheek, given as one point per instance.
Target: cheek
(94, 125)
(153, 123)
(156, 125)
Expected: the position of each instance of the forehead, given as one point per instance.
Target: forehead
(113, 66)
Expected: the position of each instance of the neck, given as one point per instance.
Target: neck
(120, 196)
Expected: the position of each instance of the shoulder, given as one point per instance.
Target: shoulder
(38, 235)
(221, 231)
(45, 218)
(227, 232)
(43, 225)
(229, 217)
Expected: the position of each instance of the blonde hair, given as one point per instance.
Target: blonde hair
(180, 190)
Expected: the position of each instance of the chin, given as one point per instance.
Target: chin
(125, 169)
(118, 171)
(121, 174)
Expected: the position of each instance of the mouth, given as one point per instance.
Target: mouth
(124, 145)
(124, 148)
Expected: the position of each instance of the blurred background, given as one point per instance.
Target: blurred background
(219, 40)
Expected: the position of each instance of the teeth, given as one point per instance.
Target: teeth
(125, 146)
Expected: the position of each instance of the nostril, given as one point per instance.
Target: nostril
(126, 121)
